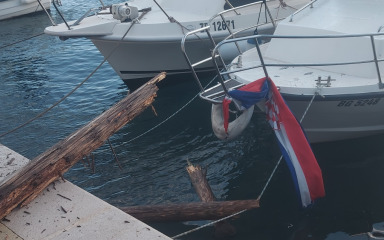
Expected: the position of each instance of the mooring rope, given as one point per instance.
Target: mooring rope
(207, 225)
(284, 4)
(281, 157)
(309, 105)
(165, 120)
(39, 34)
(25, 39)
(55, 104)
(46, 12)
(78, 86)
(270, 178)
(376, 234)
(262, 191)
(173, 20)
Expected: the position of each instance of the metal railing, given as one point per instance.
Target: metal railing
(193, 65)
(95, 10)
(231, 35)
(375, 60)
(301, 9)
(236, 10)
(225, 72)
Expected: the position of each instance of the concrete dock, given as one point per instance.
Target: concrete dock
(65, 211)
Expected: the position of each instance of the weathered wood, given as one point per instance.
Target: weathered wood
(29, 181)
(199, 181)
(197, 174)
(189, 211)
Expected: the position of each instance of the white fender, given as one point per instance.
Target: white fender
(235, 128)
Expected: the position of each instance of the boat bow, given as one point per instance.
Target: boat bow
(97, 25)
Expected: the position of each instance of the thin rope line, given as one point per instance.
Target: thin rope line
(53, 23)
(173, 20)
(25, 39)
(54, 105)
(48, 15)
(208, 224)
(165, 120)
(306, 110)
(270, 178)
(283, 5)
(161, 123)
(171, 116)
(281, 157)
(260, 195)
(73, 90)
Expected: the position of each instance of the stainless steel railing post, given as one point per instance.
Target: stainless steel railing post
(376, 61)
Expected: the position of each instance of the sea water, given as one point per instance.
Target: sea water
(153, 149)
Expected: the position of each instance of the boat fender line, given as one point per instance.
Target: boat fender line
(235, 128)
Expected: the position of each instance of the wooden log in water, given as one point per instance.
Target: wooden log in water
(33, 178)
(199, 181)
(189, 211)
(197, 174)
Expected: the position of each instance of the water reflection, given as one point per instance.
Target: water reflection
(37, 73)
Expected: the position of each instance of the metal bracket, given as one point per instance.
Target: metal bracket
(239, 63)
(324, 82)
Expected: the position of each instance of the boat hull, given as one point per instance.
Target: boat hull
(332, 118)
(140, 49)
(15, 8)
(350, 107)
(134, 61)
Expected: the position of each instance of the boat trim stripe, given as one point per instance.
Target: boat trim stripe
(293, 97)
(167, 71)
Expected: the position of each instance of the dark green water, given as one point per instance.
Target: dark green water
(36, 73)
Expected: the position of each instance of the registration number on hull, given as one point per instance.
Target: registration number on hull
(220, 25)
(359, 102)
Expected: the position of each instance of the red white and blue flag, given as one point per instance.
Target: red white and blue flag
(305, 171)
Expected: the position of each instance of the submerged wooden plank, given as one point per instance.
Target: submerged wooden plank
(190, 211)
(197, 174)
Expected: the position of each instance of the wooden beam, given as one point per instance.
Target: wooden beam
(189, 211)
(33, 178)
(197, 174)
(199, 181)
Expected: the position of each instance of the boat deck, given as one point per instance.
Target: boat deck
(305, 80)
(217, 94)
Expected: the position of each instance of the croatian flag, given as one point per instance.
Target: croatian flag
(294, 145)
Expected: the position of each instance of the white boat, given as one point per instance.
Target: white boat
(141, 38)
(15, 8)
(327, 62)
